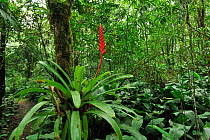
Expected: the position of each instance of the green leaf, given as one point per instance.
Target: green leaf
(178, 130)
(126, 137)
(85, 127)
(51, 69)
(133, 131)
(110, 120)
(119, 77)
(196, 75)
(45, 136)
(25, 92)
(103, 106)
(102, 82)
(93, 82)
(56, 127)
(176, 93)
(39, 120)
(19, 130)
(8, 17)
(13, 135)
(46, 115)
(124, 108)
(111, 90)
(41, 98)
(206, 133)
(190, 114)
(76, 98)
(69, 123)
(156, 121)
(113, 137)
(64, 73)
(89, 95)
(137, 123)
(75, 126)
(204, 115)
(65, 130)
(162, 131)
(207, 124)
(78, 77)
(57, 85)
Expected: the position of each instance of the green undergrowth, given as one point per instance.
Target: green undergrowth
(164, 113)
(8, 106)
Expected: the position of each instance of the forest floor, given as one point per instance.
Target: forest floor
(23, 107)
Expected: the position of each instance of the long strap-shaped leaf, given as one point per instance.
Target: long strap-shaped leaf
(106, 92)
(85, 127)
(103, 106)
(69, 124)
(110, 120)
(57, 85)
(134, 132)
(51, 69)
(76, 98)
(98, 84)
(65, 130)
(93, 82)
(24, 92)
(19, 130)
(56, 127)
(101, 83)
(124, 108)
(78, 74)
(64, 73)
(162, 131)
(75, 126)
(105, 82)
(120, 77)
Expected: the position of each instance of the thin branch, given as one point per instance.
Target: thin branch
(197, 30)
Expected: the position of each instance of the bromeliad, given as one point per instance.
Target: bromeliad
(71, 100)
(102, 45)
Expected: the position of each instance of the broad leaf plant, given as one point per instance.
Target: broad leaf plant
(73, 99)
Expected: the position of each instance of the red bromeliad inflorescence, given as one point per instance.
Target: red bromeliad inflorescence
(102, 45)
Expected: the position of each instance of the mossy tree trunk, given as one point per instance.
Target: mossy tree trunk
(60, 13)
(2, 62)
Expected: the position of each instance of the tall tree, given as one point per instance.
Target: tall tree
(2, 62)
(6, 19)
(2, 55)
(60, 13)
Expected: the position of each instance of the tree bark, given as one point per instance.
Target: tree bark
(2, 63)
(60, 13)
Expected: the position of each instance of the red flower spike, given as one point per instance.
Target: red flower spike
(102, 44)
(101, 48)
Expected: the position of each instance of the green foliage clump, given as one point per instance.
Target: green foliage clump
(176, 111)
(73, 101)
(8, 107)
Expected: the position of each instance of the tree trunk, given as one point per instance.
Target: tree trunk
(60, 13)
(2, 63)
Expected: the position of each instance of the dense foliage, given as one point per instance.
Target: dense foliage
(164, 44)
